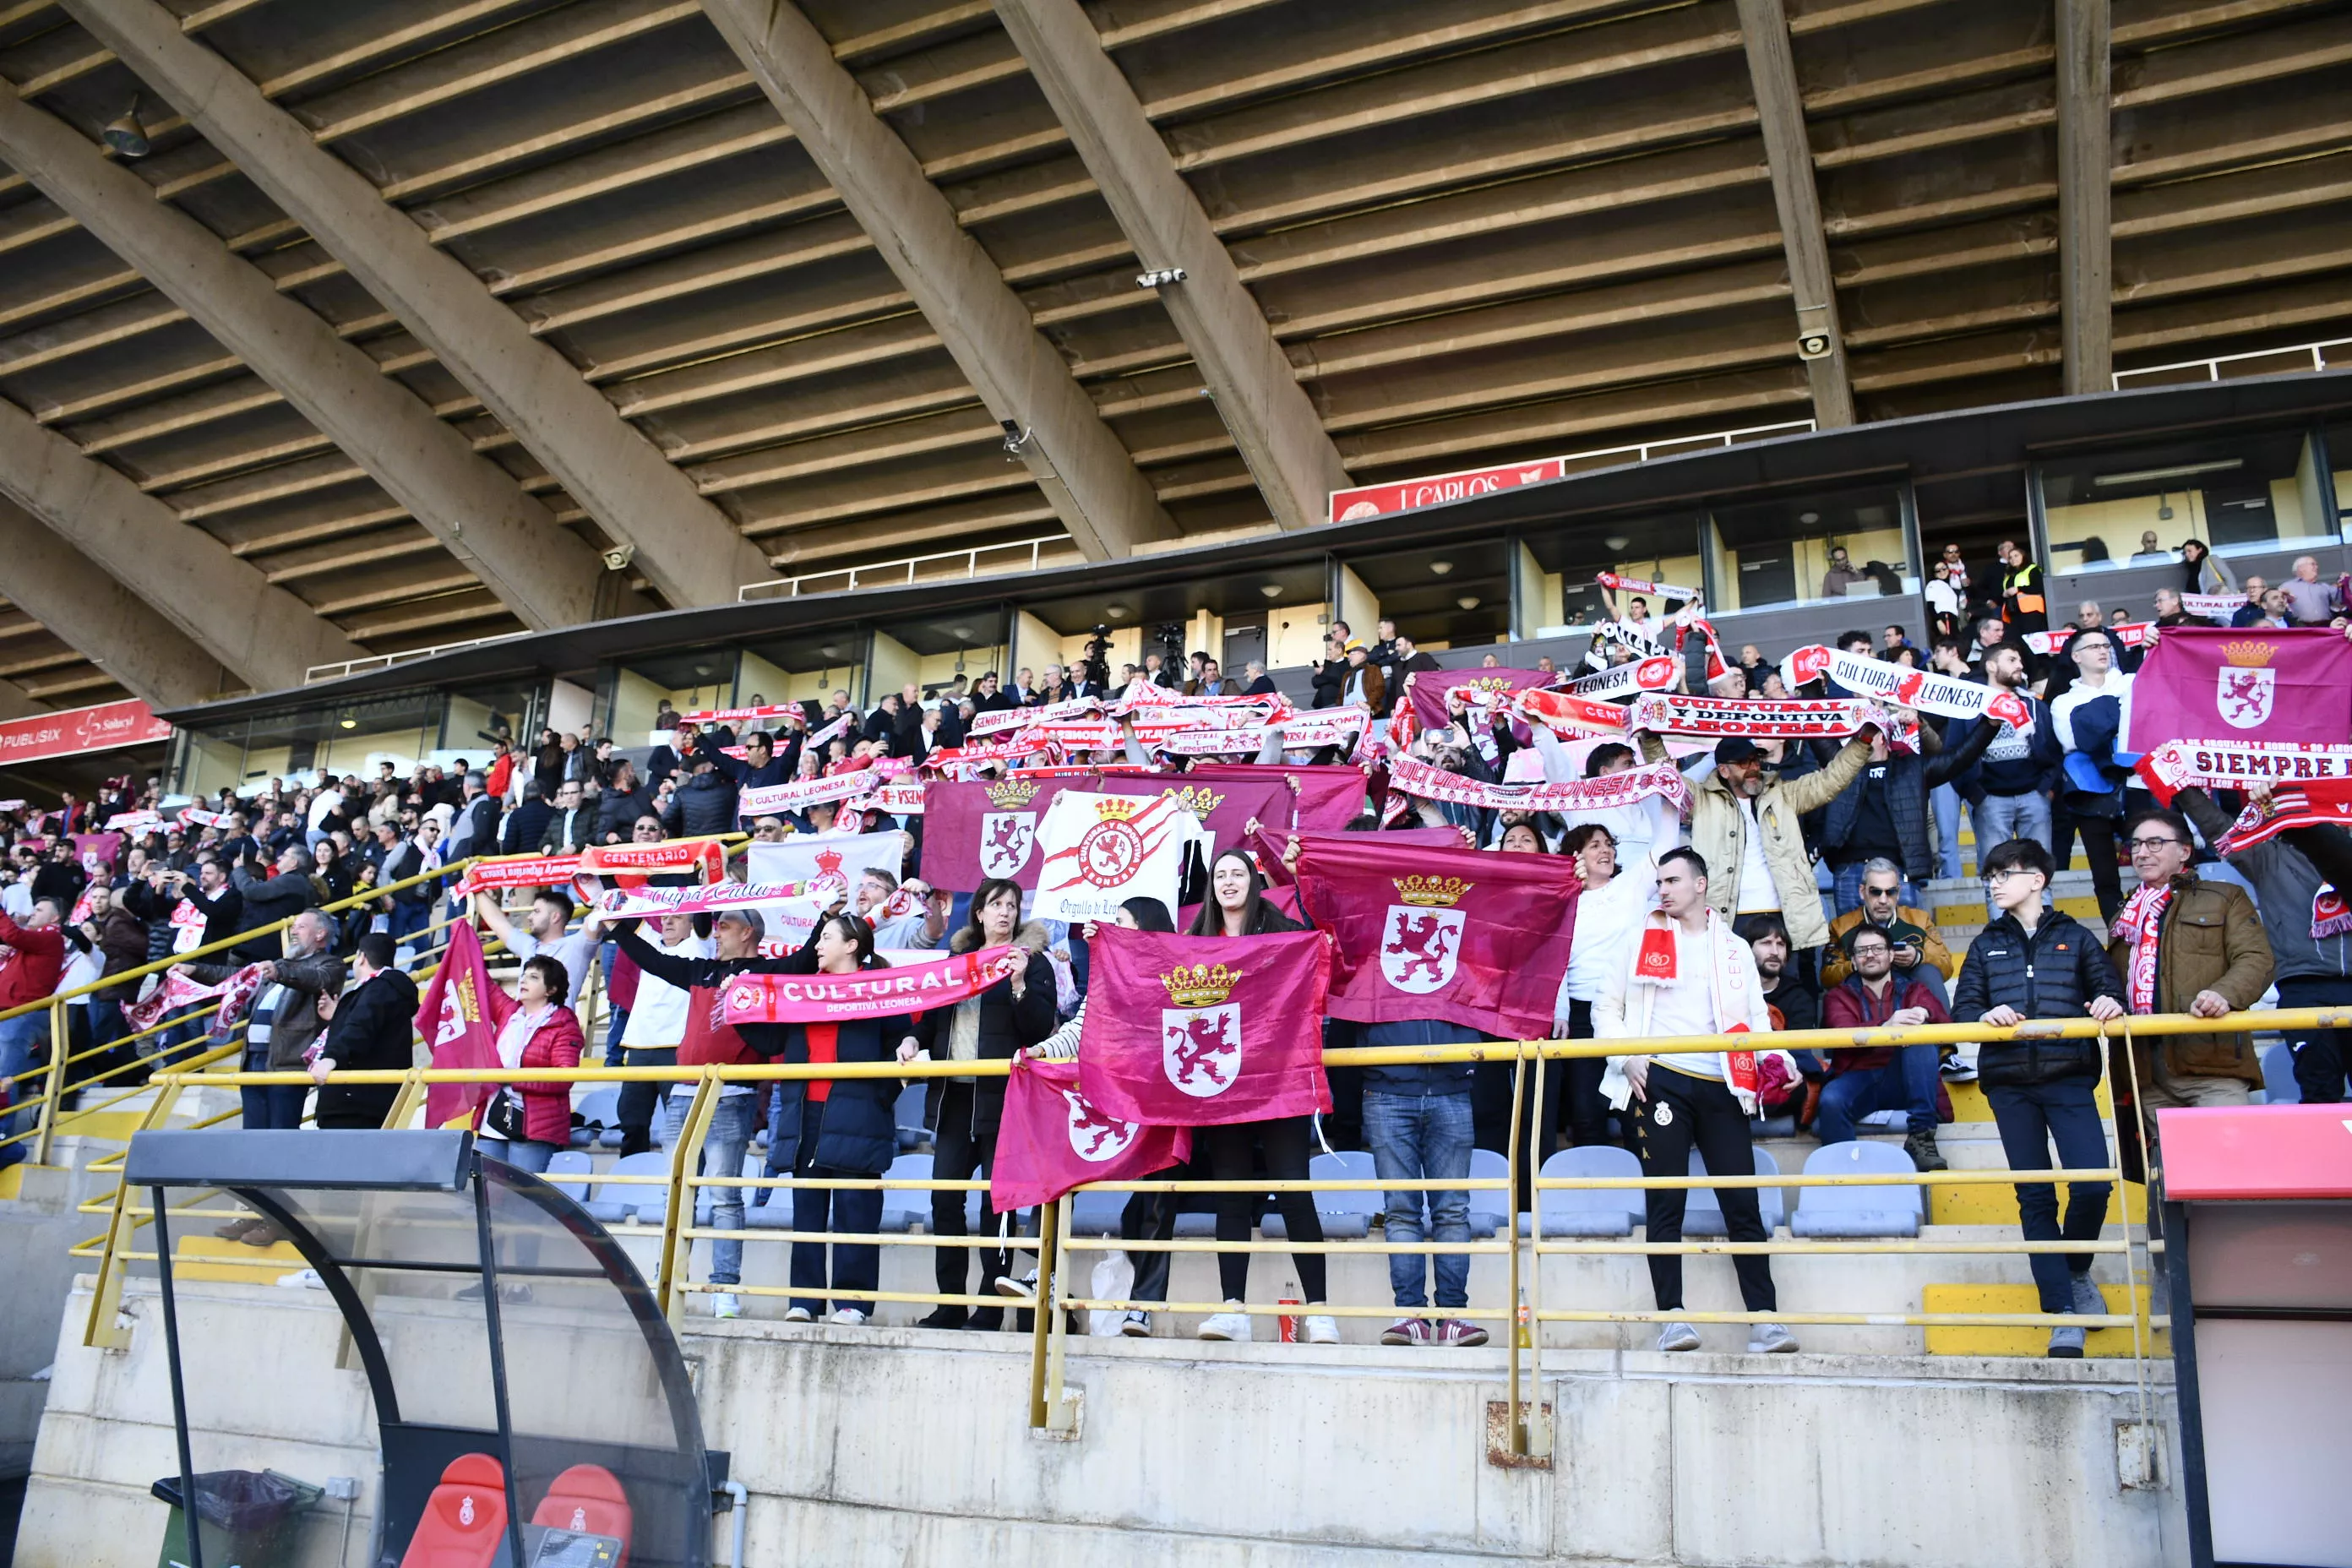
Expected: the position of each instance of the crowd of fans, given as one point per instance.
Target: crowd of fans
(1797, 869)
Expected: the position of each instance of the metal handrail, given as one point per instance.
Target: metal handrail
(2211, 365)
(790, 587)
(1060, 1295)
(342, 668)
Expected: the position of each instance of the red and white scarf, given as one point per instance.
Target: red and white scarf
(1572, 716)
(2244, 765)
(1657, 962)
(1641, 585)
(1829, 717)
(2141, 923)
(1610, 790)
(1653, 674)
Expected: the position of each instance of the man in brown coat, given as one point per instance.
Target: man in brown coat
(2183, 945)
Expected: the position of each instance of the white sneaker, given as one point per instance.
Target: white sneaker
(798, 1315)
(1322, 1328)
(1136, 1325)
(726, 1304)
(1022, 1290)
(1234, 1325)
(1678, 1337)
(848, 1318)
(1771, 1339)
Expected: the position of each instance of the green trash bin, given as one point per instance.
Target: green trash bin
(251, 1519)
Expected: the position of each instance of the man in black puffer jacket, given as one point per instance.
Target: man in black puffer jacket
(2035, 962)
(704, 803)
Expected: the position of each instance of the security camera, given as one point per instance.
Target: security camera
(617, 559)
(1015, 435)
(1160, 278)
(1812, 345)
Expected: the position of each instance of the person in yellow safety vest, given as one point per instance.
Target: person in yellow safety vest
(2023, 602)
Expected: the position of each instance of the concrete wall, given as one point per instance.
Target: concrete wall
(891, 1446)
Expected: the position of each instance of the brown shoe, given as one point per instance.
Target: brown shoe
(261, 1233)
(235, 1229)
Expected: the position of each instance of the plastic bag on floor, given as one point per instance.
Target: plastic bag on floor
(1114, 1277)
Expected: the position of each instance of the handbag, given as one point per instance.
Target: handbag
(503, 1118)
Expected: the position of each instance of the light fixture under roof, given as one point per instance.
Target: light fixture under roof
(1615, 542)
(1440, 567)
(961, 633)
(125, 134)
(2178, 471)
(1809, 517)
(1271, 590)
(1468, 601)
(829, 651)
(1115, 611)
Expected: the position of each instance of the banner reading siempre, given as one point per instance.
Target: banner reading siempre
(1473, 938)
(1052, 1138)
(1198, 1031)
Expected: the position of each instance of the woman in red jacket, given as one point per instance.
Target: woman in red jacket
(535, 1030)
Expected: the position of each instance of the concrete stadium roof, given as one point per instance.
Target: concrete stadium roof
(701, 291)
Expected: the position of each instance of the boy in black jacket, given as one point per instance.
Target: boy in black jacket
(2033, 962)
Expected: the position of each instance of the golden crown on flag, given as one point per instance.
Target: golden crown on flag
(2248, 654)
(1012, 792)
(1199, 984)
(1197, 799)
(1117, 807)
(1432, 892)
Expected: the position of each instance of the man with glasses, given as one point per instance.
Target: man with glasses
(2186, 945)
(1919, 953)
(2034, 962)
(1881, 1078)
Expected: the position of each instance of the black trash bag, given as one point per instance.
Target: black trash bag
(244, 1502)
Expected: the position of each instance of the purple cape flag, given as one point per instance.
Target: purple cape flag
(1476, 939)
(975, 831)
(1201, 1031)
(1052, 1138)
(2213, 683)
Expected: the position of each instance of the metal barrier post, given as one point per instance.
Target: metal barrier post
(404, 1103)
(685, 1156)
(1049, 1297)
(1061, 1414)
(1518, 1154)
(103, 1331)
(60, 1047)
(1538, 1425)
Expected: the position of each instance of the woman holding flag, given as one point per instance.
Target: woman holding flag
(1013, 1014)
(1237, 906)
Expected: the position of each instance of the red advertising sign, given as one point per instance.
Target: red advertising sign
(108, 727)
(1379, 500)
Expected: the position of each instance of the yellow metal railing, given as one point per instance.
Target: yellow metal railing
(1058, 1296)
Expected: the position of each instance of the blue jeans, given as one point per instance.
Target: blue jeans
(1849, 888)
(1945, 801)
(524, 1155)
(2001, 817)
(269, 1106)
(18, 1039)
(722, 1155)
(406, 920)
(2032, 1116)
(1906, 1083)
(1423, 1137)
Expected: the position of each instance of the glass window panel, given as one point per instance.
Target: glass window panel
(1456, 595)
(2340, 458)
(2239, 495)
(1557, 589)
(1813, 550)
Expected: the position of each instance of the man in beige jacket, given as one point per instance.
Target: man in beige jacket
(1744, 823)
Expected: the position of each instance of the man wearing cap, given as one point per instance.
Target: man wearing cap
(1744, 820)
